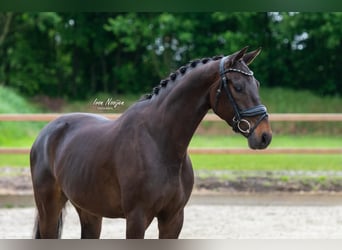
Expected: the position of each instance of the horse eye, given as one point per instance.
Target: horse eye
(238, 88)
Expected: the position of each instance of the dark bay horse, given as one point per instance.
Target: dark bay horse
(137, 167)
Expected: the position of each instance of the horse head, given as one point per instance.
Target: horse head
(234, 97)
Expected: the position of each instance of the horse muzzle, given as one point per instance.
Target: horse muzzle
(261, 137)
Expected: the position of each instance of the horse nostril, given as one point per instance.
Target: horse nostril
(265, 138)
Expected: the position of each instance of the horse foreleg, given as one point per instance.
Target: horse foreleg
(170, 225)
(136, 224)
(90, 225)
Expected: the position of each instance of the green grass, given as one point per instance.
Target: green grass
(14, 161)
(25, 141)
(278, 141)
(16, 133)
(267, 162)
(282, 100)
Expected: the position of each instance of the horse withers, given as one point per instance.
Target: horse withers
(137, 166)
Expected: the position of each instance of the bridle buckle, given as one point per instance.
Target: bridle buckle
(242, 121)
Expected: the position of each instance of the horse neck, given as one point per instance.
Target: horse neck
(178, 109)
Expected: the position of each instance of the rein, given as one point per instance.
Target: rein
(239, 114)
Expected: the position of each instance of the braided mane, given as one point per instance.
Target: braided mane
(181, 71)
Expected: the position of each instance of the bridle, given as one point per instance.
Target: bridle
(258, 110)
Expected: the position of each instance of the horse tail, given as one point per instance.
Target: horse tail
(60, 223)
(36, 230)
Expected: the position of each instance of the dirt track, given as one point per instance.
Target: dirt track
(218, 216)
(231, 213)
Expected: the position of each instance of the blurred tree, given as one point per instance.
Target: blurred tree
(309, 46)
(5, 23)
(78, 54)
(28, 55)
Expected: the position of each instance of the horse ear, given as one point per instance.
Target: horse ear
(238, 55)
(249, 57)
